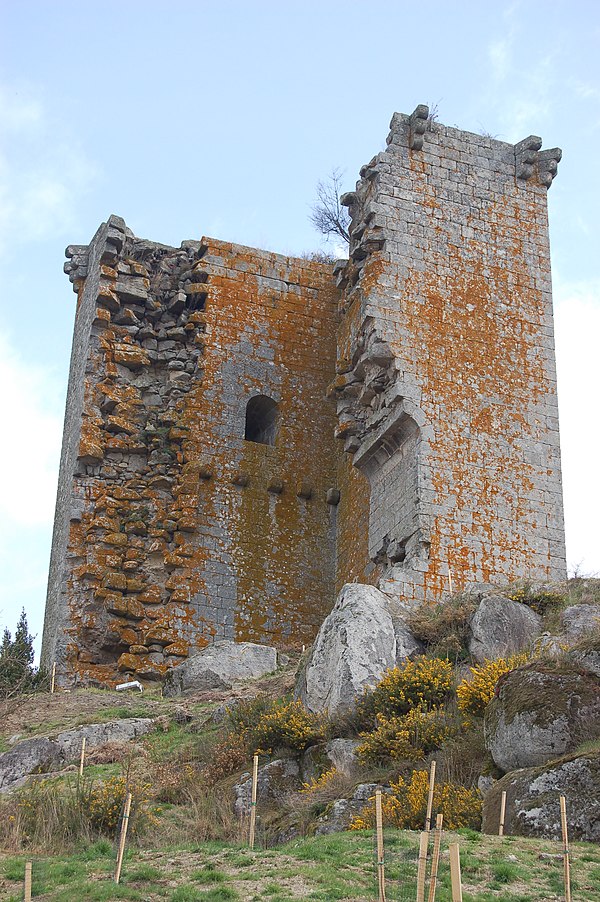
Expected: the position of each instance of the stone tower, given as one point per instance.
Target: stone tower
(245, 431)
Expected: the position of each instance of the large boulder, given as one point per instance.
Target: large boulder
(220, 666)
(580, 620)
(338, 814)
(33, 756)
(501, 627)
(97, 734)
(359, 640)
(540, 714)
(532, 800)
(275, 781)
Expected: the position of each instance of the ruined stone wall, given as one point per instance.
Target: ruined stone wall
(446, 383)
(172, 530)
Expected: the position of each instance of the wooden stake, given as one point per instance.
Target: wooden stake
(422, 867)
(123, 837)
(82, 759)
(455, 872)
(380, 852)
(27, 888)
(435, 861)
(502, 813)
(450, 580)
(565, 838)
(253, 803)
(53, 680)
(430, 797)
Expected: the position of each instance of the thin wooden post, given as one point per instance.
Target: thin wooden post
(455, 872)
(253, 802)
(380, 851)
(435, 861)
(82, 758)
(430, 797)
(422, 866)
(565, 838)
(450, 580)
(123, 837)
(27, 886)
(502, 813)
(53, 680)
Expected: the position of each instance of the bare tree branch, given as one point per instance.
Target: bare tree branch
(327, 215)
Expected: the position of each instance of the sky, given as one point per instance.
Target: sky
(203, 118)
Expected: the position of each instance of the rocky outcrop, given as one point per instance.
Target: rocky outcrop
(579, 620)
(42, 755)
(532, 800)
(501, 627)
(358, 641)
(539, 714)
(220, 666)
(338, 815)
(275, 780)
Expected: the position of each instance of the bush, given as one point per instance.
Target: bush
(539, 600)
(424, 683)
(476, 691)
(408, 737)
(264, 724)
(406, 806)
(444, 627)
(228, 757)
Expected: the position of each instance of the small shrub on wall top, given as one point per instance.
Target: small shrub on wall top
(406, 806)
(476, 691)
(424, 683)
(408, 737)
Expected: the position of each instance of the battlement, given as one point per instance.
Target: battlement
(247, 431)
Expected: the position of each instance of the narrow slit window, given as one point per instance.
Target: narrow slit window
(262, 415)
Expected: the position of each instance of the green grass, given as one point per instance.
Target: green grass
(321, 869)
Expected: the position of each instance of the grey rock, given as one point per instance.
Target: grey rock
(342, 754)
(358, 641)
(97, 734)
(538, 715)
(485, 783)
(532, 800)
(501, 627)
(33, 756)
(275, 780)
(220, 666)
(579, 620)
(339, 814)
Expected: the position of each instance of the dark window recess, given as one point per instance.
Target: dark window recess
(261, 420)
(196, 301)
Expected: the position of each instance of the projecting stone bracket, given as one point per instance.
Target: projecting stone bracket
(530, 159)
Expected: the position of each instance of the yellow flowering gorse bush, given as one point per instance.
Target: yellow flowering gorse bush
(424, 683)
(319, 783)
(476, 691)
(406, 806)
(410, 736)
(289, 725)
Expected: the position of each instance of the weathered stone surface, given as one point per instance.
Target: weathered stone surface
(501, 627)
(342, 754)
(532, 800)
(354, 647)
(275, 780)
(25, 758)
(96, 734)
(579, 620)
(538, 715)
(338, 815)
(220, 665)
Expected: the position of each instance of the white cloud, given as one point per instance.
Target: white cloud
(42, 172)
(577, 326)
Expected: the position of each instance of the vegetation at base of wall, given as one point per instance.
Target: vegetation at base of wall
(444, 628)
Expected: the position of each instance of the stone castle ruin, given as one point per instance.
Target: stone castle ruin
(246, 432)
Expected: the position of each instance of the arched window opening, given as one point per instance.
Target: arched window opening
(262, 415)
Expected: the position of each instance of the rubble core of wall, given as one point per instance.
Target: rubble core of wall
(446, 383)
(172, 530)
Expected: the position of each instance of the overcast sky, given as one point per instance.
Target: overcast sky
(203, 118)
